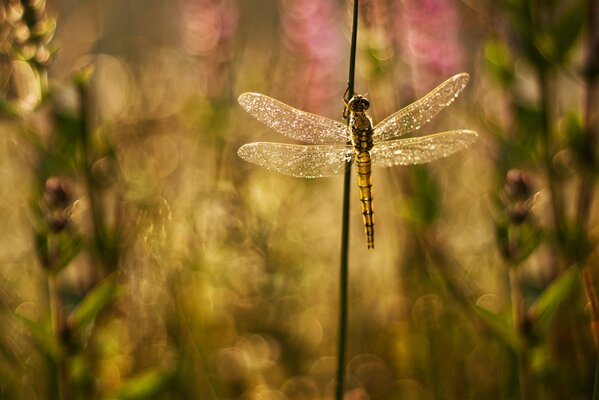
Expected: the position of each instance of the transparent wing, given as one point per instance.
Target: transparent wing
(311, 161)
(293, 123)
(422, 149)
(418, 113)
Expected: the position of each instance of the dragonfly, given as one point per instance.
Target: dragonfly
(333, 146)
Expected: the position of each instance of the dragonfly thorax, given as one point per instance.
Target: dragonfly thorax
(361, 128)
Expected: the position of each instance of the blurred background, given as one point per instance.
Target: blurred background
(141, 258)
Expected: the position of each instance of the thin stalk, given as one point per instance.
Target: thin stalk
(57, 326)
(588, 179)
(591, 117)
(596, 378)
(556, 200)
(526, 391)
(196, 352)
(591, 295)
(95, 203)
(343, 273)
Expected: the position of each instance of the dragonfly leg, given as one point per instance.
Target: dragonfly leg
(346, 100)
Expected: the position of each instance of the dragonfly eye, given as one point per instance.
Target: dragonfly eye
(365, 103)
(358, 103)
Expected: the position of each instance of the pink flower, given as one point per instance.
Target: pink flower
(208, 29)
(314, 48)
(207, 24)
(428, 36)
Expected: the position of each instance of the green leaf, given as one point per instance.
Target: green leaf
(528, 121)
(572, 129)
(530, 237)
(104, 294)
(40, 241)
(578, 244)
(503, 239)
(547, 304)
(517, 242)
(69, 246)
(499, 62)
(500, 328)
(567, 28)
(43, 340)
(144, 385)
(8, 109)
(526, 36)
(420, 204)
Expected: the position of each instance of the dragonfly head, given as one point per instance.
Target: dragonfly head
(358, 103)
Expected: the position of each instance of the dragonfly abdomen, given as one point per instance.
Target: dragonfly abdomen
(362, 140)
(363, 168)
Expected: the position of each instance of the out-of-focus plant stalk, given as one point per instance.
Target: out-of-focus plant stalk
(104, 235)
(343, 273)
(516, 199)
(95, 204)
(58, 321)
(591, 115)
(588, 179)
(547, 153)
(519, 320)
(33, 48)
(591, 295)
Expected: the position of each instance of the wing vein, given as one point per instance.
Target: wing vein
(415, 115)
(304, 161)
(420, 150)
(293, 123)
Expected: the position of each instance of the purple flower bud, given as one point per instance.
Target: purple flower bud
(517, 195)
(57, 193)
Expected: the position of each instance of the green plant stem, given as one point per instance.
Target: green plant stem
(591, 295)
(588, 179)
(95, 203)
(57, 320)
(343, 273)
(556, 203)
(196, 353)
(517, 317)
(591, 115)
(596, 378)
(445, 264)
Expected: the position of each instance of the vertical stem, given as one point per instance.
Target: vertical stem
(517, 317)
(343, 273)
(591, 296)
(591, 115)
(588, 180)
(57, 328)
(596, 378)
(352, 54)
(556, 200)
(95, 203)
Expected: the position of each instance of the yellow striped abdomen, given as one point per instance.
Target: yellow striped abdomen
(363, 168)
(361, 127)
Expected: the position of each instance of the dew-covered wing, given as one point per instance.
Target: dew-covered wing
(304, 161)
(293, 123)
(418, 113)
(420, 150)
